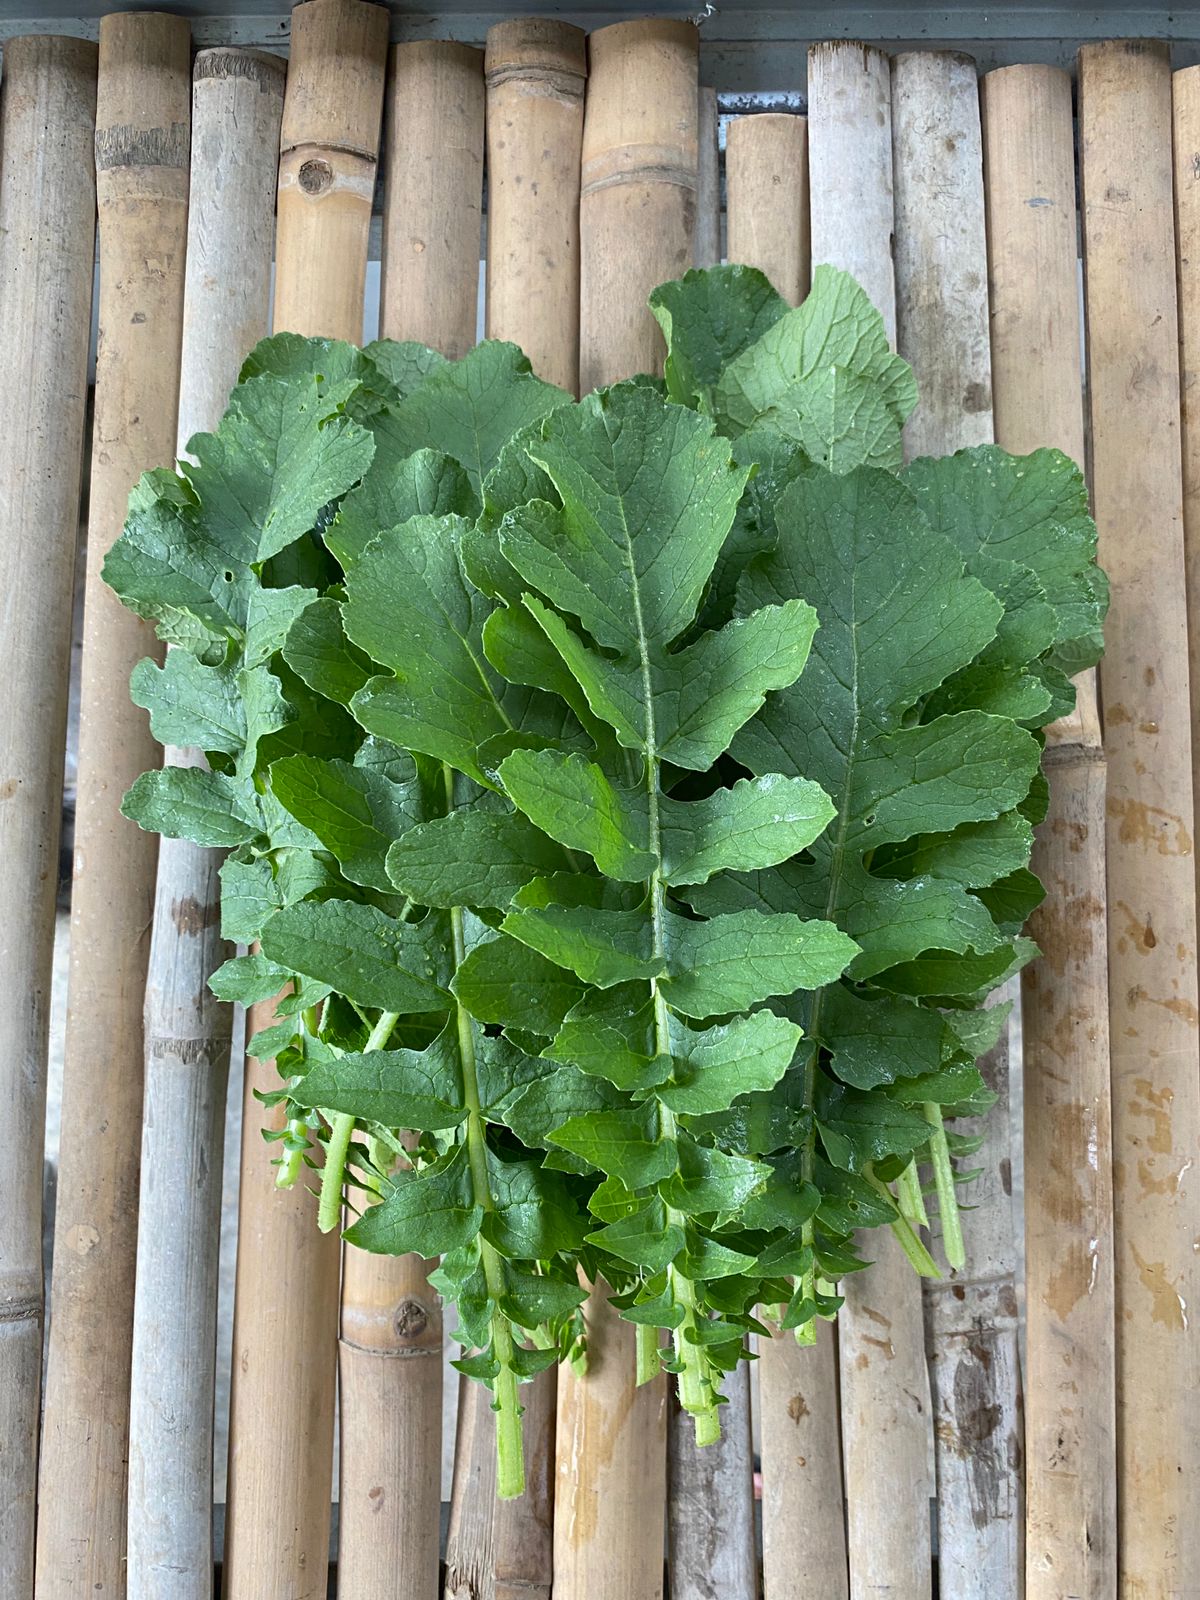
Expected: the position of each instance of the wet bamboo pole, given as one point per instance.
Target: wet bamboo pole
(535, 70)
(237, 98)
(638, 203)
(610, 1469)
(766, 175)
(1070, 1487)
(286, 1302)
(48, 224)
(640, 163)
(881, 1336)
(141, 181)
(803, 1505)
(971, 1316)
(711, 1541)
(708, 180)
(435, 141)
(1133, 370)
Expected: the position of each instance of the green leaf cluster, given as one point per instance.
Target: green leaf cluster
(628, 801)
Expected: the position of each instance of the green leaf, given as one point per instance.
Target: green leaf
(403, 363)
(280, 454)
(470, 409)
(419, 1089)
(504, 981)
(426, 483)
(472, 858)
(355, 813)
(571, 799)
(602, 947)
(191, 803)
(645, 1237)
(248, 979)
(755, 823)
(432, 1210)
(707, 318)
(734, 962)
(713, 1066)
(627, 1145)
(371, 958)
(858, 1128)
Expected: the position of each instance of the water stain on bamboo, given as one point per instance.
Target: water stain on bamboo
(1168, 1305)
(1150, 825)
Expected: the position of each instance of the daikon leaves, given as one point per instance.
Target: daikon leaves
(630, 802)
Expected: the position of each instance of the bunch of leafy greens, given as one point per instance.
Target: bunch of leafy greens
(628, 803)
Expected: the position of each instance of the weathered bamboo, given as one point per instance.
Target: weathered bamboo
(435, 139)
(803, 1506)
(941, 250)
(524, 1529)
(470, 1541)
(1186, 121)
(142, 182)
(610, 1469)
(286, 1305)
(942, 331)
(708, 180)
(850, 166)
(1070, 1484)
(766, 178)
(47, 222)
(881, 1337)
(237, 98)
(710, 1502)
(1133, 366)
(637, 210)
(535, 70)
(390, 1375)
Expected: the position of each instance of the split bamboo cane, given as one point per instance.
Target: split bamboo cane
(708, 180)
(637, 210)
(237, 98)
(435, 139)
(942, 331)
(640, 161)
(610, 1469)
(803, 1507)
(1132, 334)
(766, 175)
(881, 1337)
(535, 76)
(470, 1546)
(142, 181)
(1186, 123)
(1070, 1490)
(48, 224)
(286, 1305)
(710, 1502)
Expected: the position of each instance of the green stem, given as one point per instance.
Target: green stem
(919, 1258)
(649, 1361)
(510, 1449)
(341, 1131)
(806, 1333)
(912, 1201)
(943, 1177)
(292, 1164)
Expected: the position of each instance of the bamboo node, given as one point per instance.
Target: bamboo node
(124, 145)
(639, 163)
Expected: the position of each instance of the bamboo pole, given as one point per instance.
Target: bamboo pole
(535, 70)
(470, 1541)
(766, 174)
(610, 1469)
(47, 220)
(850, 167)
(1132, 332)
(141, 181)
(389, 1368)
(708, 180)
(435, 139)
(286, 1297)
(1029, 155)
(711, 1538)
(638, 203)
(237, 98)
(803, 1507)
(971, 1317)
(524, 1528)
(881, 1337)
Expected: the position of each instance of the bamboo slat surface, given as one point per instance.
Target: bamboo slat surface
(1133, 375)
(142, 137)
(47, 222)
(971, 1316)
(766, 176)
(1037, 383)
